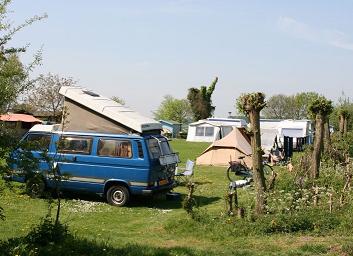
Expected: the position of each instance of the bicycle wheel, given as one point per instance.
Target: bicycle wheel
(231, 174)
(267, 169)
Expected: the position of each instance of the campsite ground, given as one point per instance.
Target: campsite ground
(156, 226)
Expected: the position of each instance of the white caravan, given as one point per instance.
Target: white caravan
(211, 129)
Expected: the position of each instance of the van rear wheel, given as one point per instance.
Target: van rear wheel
(35, 186)
(118, 195)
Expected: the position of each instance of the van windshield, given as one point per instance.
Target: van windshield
(158, 147)
(36, 142)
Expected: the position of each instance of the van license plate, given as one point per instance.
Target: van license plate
(163, 182)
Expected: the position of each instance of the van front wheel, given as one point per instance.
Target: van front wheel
(118, 195)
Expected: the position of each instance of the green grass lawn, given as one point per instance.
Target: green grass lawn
(155, 226)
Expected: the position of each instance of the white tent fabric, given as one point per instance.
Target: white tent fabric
(268, 137)
(230, 148)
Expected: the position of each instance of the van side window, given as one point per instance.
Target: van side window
(139, 149)
(114, 148)
(39, 142)
(75, 145)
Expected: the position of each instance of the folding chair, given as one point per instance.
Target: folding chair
(186, 173)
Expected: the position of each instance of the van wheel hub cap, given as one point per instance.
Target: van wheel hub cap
(118, 196)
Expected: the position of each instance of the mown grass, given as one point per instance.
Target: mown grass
(155, 226)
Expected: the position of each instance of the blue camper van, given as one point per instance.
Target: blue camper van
(116, 166)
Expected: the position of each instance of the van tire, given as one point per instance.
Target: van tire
(118, 195)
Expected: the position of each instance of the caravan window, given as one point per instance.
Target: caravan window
(114, 148)
(200, 131)
(204, 131)
(75, 145)
(209, 131)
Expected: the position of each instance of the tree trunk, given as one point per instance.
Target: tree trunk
(341, 124)
(258, 174)
(345, 126)
(327, 136)
(316, 157)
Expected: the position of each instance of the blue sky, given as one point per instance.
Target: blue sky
(143, 50)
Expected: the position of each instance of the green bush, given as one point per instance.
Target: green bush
(47, 232)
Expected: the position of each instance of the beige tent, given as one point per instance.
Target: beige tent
(232, 146)
(88, 111)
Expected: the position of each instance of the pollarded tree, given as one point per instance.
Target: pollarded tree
(173, 109)
(201, 102)
(344, 115)
(251, 104)
(320, 109)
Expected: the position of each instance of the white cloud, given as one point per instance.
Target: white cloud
(303, 31)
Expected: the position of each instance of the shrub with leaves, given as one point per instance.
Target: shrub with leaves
(48, 231)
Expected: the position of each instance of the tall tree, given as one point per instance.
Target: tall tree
(201, 102)
(45, 95)
(279, 107)
(251, 105)
(172, 109)
(14, 76)
(302, 101)
(320, 108)
(289, 107)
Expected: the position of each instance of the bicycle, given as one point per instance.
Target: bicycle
(239, 168)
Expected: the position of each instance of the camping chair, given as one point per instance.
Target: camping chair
(186, 173)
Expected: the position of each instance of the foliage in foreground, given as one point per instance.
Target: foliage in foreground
(290, 211)
(52, 238)
(49, 238)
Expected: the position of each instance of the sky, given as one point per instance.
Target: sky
(143, 50)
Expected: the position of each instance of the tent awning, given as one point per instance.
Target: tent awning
(19, 118)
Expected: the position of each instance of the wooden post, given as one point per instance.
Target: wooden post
(236, 199)
(230, 203)
(330, 202)
(271, 184)
(241, 212)
(316, 196)
(348, 180)
(191, 187)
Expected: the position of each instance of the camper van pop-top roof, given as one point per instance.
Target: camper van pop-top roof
(88, 111)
